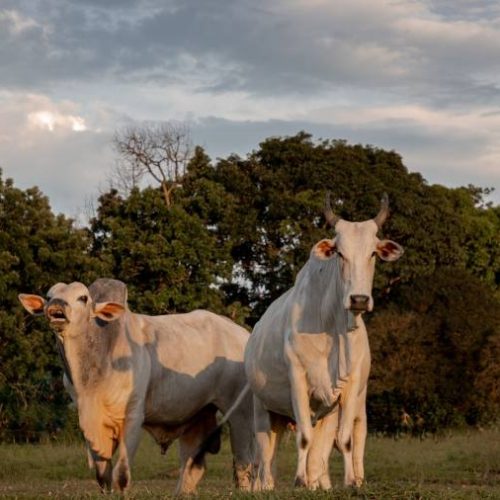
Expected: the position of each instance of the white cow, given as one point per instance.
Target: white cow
(168, 374)
(308, 358)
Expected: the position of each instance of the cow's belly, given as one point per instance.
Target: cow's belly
(276, 397)
(267, 371)
(174, 398)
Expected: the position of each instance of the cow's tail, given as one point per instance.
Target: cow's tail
(214, 435)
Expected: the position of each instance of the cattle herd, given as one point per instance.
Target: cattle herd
(307, 362)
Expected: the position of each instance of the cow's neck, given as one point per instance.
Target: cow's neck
(320, 290)
(322, 298)
(64, 359)
(88, 356)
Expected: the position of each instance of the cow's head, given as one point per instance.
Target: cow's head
(356, 246)
(68, 308)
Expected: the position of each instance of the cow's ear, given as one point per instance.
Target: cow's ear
(34, 304)
(389, 250)
(108, 311)
(324, 249)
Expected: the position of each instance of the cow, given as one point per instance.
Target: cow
(167, 374)
(308, 357)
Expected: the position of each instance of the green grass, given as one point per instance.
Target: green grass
(460, 466)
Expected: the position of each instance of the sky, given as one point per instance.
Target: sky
(421, 77)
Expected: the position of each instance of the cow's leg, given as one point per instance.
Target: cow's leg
(302, 413)
(267, 437)
(344, 441)
(318, 459)
(192, 471)
(103, 473)
(302, 454)
(359, 440)
(102, 464)
(242, 444)
(129, 441)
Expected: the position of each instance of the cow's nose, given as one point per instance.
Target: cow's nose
(359, 302)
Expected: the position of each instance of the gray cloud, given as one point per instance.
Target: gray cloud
(73, 168)
(420, 77)
(262, 47)
(440, 158)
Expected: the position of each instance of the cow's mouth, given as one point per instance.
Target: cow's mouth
(56, 316)
(358, 310)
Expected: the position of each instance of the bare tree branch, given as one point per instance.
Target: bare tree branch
(159, 150)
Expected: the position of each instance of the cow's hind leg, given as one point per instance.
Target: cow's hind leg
(268, 431)
(192, 470)
(242, 443)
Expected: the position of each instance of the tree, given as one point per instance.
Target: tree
(37, 249)
(274, 199)
(170, 259)
(159, 150)
(434, 351)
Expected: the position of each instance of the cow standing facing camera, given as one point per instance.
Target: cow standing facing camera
(167, 374)
(308, 358)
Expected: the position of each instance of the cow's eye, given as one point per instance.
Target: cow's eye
(83, 298)
(340, 254)
(374, 253)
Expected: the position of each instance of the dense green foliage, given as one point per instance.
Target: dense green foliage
(37, 249)
(238, 232)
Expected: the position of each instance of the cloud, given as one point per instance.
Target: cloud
(47, 143)
(15, 22)
(262, 47)
(417, 76)
(453, 159)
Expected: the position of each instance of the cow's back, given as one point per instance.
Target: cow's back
(196, 359)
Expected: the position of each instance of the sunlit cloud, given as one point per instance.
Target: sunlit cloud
(15, 21)
(48, 120)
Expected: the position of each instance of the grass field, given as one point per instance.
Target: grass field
(463, 465)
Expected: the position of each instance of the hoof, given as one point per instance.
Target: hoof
(300, 482)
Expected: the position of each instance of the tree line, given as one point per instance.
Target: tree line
(230, 235)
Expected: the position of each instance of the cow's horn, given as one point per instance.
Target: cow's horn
(330, 217)
(384, 211)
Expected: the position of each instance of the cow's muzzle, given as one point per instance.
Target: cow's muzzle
(359, 303)
(57, 313)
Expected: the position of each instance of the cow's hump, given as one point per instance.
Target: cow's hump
(108, 290)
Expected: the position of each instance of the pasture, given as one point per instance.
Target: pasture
(460, 465)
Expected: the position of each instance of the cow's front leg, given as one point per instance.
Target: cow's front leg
(319, 454)
(103, 472)
(130, 436)
(102, 464)
(344, 441)
(302, 413)
(359, 440)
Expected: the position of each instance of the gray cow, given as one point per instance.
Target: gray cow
(308, 358)
(167, 374)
